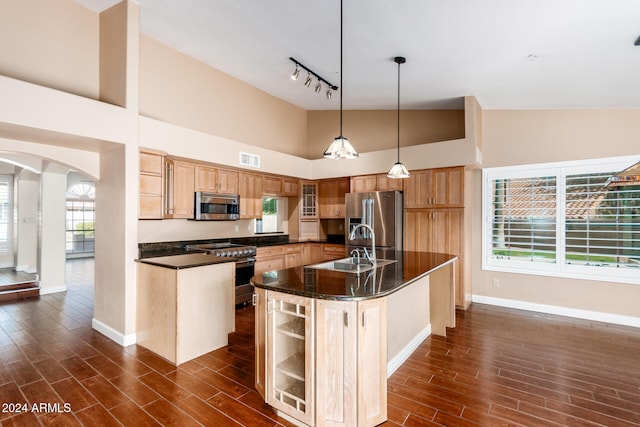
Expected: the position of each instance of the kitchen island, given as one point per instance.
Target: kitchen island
(185, 305)
(327, 340)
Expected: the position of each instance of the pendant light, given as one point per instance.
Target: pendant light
(340, 148)
(398, 170)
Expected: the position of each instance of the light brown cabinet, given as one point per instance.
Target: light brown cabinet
(378, 182)
(272, 185)
(311, 253)
(290, 355)
(293, 255)
(250, 191)
(437, 230)
(322, 362)
(290, 187)
(308, 200)
(351, 362)
(331, 197)
(151, 181)
(215, 180)
(435, 188)
(174, 304)
(332, 251)
(179, 189)
(269, 258)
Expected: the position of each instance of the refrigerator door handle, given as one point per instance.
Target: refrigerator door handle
(364, 216)
(370, 217)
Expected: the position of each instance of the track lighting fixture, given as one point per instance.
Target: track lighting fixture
(310, 75)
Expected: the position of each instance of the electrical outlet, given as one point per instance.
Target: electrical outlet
(496, 283)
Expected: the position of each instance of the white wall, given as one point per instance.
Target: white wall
(27, 190)
(52, 256)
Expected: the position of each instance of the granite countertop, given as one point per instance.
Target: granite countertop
(190, 260)
(337, 285)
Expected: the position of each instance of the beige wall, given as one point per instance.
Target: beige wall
(53, 43)
(180, 90)
(378, 129)
(526, 137)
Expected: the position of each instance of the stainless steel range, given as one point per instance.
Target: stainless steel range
(245, 259)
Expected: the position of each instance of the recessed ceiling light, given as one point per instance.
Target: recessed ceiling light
(532, 57)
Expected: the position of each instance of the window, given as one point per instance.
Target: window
(274, 215)
(562, 220)
(80, 219)
(5, 214)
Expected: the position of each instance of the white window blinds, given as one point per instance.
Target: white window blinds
(5, 214)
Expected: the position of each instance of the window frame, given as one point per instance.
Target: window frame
(559, 268)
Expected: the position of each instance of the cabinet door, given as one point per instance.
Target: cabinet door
(363, 183)
(290, 363)
(384, 183)
(448, 187)
(332, 251)
(150, 185)
(289, 187)
(418, 189)
(293, 257)
(272, 185)
(181, 185)
(250, 191)
(206, 178)
(331, 197)
(372, 362)
(260, 302)
(336, 363)
(309, 200)
(311, 253)
(227, 181)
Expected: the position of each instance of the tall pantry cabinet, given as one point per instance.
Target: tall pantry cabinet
(434, 216)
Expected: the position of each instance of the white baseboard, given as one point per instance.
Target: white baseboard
(52, 289)
(27, 269)
(405, 353)
(109, 332)
(597, 316)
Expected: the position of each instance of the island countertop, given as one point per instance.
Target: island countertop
(338, 285)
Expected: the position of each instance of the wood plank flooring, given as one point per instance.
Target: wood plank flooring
(498, 367)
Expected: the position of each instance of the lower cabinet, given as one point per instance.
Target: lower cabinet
(322, 362)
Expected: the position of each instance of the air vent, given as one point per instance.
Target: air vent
(251, 160)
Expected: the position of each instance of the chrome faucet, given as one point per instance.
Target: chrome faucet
(355, 253)
(370, 256)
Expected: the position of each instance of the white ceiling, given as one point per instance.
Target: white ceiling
(583, 50)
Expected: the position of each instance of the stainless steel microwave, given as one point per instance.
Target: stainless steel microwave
(211, 206)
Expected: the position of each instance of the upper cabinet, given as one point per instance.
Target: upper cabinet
(215, 180)
(151, 185)
(435, 188)
(272, 185)
(179, 187)
(378, 182)
(290, 187)
(309, 200)
(250, 191)
(331, 197)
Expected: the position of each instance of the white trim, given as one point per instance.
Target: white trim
(52, 289)
(597, 316)
(405, 353)
(27, 269)
(109, 332)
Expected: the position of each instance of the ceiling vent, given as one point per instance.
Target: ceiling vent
(251, 160)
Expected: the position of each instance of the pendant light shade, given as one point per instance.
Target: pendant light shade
(398, 170)
(340, 148)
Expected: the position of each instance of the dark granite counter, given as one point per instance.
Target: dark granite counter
(177, 262)
(337, 285)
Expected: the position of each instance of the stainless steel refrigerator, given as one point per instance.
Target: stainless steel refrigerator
(382, 211)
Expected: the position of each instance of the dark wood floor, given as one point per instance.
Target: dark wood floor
(499, 367)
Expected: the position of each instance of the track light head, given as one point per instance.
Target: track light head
(318, 88)
(329, 93)
(307, 82)
(296, 73)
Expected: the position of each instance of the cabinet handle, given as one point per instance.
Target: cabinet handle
(254, 299)
(364, 320)
(346, 319)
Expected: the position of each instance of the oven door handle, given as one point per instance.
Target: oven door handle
(245, 262)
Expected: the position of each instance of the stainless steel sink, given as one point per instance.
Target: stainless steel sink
(351, 265)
